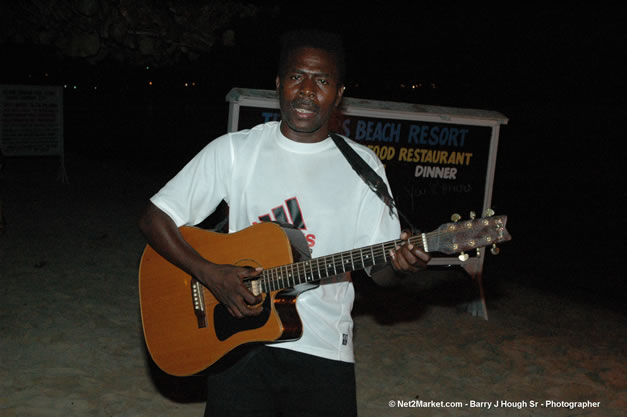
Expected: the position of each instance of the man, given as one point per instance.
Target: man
(290, 170)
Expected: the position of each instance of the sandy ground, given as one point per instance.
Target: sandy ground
(72, 345)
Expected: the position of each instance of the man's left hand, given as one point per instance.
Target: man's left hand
(408, 258)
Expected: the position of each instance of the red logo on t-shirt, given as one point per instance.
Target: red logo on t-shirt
(289, 212)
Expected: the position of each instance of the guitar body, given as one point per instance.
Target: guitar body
(185, 328)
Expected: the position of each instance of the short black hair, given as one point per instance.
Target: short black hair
(312, 38)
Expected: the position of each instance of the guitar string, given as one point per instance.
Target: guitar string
(340, 261)
(274, 278)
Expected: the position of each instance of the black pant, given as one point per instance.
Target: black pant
(272, 382)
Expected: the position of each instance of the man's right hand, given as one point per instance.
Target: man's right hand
(226, 283)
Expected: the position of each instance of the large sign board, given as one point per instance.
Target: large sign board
(433, 167)
(31, 120)
(439, 160)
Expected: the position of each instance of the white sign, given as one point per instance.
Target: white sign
(31, 120)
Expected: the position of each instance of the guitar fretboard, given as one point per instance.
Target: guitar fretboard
(313, 270)
(448, 238)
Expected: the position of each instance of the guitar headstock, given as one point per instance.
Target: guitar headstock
(460, 236)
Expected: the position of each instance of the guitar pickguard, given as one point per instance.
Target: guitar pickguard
(226, 325)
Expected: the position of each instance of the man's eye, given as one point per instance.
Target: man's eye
(295, 77)
(323, 82)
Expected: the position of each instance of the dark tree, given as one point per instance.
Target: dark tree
(136, 32)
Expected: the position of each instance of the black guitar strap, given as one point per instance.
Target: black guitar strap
(366, 173)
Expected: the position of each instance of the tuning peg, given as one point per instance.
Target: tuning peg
(462, 256)
(488, 213)
(473, 215)
(495, 249)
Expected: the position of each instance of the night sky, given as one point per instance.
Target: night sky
(556, 71)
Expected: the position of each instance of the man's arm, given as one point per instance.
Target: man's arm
(405, 259)
(224, 281)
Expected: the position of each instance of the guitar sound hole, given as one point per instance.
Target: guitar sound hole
(227, 325)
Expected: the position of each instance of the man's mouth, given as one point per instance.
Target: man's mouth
(304, 107)
(303, 111)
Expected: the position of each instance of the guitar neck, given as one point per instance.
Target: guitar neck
(449, 238)
(313, 270)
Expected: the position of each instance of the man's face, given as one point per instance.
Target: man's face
(308, 92)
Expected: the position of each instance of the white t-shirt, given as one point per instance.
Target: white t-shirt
(263, 175)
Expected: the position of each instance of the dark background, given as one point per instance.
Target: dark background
(556, 71)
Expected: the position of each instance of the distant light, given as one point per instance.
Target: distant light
(95, 87)
(147, 67)
(149, 82)
(64, 85)
(46, 75)
(194, 84)
(75, 87)
(186, 85)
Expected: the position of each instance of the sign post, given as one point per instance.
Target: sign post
(438, 160)
(31, 122)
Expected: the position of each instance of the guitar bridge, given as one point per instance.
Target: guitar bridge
(199, 303)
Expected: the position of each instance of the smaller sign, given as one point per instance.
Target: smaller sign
(31, 120)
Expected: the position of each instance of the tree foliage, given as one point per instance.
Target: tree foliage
(136, 32)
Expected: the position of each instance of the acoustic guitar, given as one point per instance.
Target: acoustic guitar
(187, 330)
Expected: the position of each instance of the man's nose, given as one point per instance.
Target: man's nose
(307, 88)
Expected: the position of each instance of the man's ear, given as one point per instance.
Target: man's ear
(340, 94)
(277, 82)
